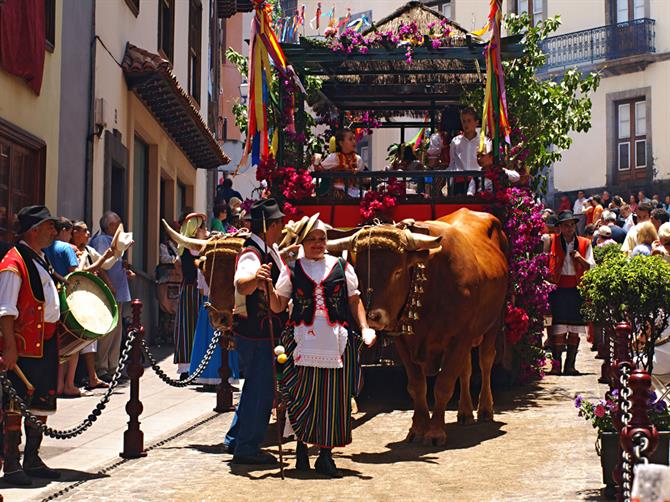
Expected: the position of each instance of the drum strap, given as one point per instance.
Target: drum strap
(28, 256)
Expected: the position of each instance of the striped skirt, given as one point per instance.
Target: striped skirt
(185, 323)
(318, 400)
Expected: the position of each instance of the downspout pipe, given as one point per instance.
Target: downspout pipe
(88, 174)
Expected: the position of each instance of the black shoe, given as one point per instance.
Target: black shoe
(326, 465)
(229, 449)
(302, 457)
(17, 478)
(260, 458)
(183, 376)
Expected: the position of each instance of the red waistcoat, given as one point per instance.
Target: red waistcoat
(557, 257)
(30, 330)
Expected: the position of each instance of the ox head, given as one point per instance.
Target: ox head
(385, 259)
(219, 269)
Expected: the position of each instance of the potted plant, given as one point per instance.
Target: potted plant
(607, 443)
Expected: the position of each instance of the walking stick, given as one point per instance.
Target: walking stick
(274, 368)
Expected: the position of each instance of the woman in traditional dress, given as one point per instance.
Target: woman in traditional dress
(189, 296)
(322, 371)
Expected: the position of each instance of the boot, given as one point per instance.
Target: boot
(302, 457)
(570, 358)
(14, 474)
(556, 356)
(326, 465)
(32, 463)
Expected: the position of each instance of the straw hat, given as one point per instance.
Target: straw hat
(296, 231)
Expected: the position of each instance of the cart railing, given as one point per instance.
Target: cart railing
(418, 187)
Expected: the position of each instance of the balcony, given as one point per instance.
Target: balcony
(612, 46)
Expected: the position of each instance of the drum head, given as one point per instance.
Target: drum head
(87, 305)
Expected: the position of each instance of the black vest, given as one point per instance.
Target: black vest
(256, 323)
(334, 291)
(188, 270)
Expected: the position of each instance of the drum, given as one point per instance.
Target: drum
(88, 312)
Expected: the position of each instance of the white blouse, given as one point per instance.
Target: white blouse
(317, 270)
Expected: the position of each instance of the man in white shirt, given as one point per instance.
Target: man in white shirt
(578, 209)
(258, 262)
(29, 313)
(463, 152)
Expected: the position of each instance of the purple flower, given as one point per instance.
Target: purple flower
(578, 401)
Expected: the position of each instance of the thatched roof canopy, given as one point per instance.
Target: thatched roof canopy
(382, 79)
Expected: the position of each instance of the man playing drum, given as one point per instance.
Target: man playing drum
(29, 313)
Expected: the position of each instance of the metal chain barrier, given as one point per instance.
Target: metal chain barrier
(198, 371)
(625, 406)
(92, 417)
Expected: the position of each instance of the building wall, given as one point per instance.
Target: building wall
(75, 110)
(20, 106)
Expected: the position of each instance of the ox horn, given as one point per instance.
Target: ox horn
(416, 242)
(187, 242)
(339, 245)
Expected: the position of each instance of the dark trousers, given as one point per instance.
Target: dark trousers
(252, 416)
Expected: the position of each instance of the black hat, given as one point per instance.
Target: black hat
(31, 216)
(551, 220)
(566, 215)
(264, 209)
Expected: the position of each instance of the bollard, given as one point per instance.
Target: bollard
(133, 438)
(224, 392)
(622, 357)
(604, 354)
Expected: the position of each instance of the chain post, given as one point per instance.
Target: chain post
(133, 438)
(605, 333)
(620, 365)
(640, 425)
(224, 392)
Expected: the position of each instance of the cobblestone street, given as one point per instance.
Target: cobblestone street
(537, 449)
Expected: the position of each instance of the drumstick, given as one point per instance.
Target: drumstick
(29, 387)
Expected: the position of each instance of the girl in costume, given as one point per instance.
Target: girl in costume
(189, 296)
(322, 371)
(344, 159)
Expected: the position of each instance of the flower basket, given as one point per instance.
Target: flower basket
(607, 448)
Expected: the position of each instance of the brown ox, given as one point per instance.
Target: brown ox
(461, 306)
(219, 254)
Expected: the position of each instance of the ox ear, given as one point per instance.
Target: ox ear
(416, 242)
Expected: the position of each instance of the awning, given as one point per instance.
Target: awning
(152, 80)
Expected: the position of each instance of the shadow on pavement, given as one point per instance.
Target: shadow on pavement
(67, 476)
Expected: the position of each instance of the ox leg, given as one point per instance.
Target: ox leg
(417, 388)
(465, 409)
(487, 355)
(452, 368)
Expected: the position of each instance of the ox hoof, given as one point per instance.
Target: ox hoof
(438, 438)
(485, 416)
(465, 419)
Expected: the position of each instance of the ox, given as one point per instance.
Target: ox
(443, 293)
(219, 254)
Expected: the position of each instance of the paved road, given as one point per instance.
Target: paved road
(537, 449)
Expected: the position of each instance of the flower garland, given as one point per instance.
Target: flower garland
(286, 183)
(377, 203)
(407, 36)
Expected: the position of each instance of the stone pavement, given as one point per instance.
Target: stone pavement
(537, 449)
(166, 410)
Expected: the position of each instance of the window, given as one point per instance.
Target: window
(628, 10)
(140, 206)
(134, 6)
(534, 8)
(166, 28)
(289, 7)
(181, 198)
(22, 166)
(631, 138)
(50, 23)
(194, 48)
(446, 9)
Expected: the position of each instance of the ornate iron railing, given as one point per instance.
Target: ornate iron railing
(604, 43)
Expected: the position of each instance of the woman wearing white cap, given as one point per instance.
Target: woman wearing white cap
(322, 372)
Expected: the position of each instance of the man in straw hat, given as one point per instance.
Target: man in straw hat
(29, 313)
(570, 257)
(258, 262)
